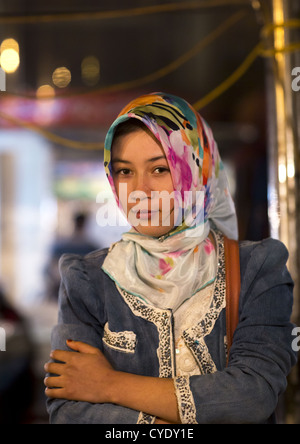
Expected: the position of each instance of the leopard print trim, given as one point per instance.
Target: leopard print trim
(162, 321)
(194, 337)
(145, 419)
(185, 400)
(124, 341)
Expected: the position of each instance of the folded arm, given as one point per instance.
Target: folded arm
(85, 375)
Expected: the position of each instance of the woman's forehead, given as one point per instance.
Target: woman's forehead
(136, 145)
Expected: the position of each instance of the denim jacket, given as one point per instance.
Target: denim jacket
(138, 338)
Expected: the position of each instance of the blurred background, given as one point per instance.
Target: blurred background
(67, 69)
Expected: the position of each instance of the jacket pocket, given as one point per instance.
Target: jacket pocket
(124, 341)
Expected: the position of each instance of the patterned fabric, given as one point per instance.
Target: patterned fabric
(166, 271)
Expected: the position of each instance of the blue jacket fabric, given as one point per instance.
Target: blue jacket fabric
(138, 338)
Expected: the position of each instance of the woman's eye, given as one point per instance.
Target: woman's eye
(123, 172)
(161, 170)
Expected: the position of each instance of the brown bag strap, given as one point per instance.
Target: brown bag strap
(233, 284)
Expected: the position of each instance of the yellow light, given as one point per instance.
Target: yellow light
(281, 173)
(291, 170)
(255, 4)
(45, 92)
(10, 60)
(90, 70)
(9, 44)
(61, 77)
(279, 33)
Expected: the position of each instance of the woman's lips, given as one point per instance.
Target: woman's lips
(145, 214)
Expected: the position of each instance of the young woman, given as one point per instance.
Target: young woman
(141, 336)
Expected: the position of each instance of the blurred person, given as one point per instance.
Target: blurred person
(77, 243)
(142, 329)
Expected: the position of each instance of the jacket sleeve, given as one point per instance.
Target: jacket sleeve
(75, 321)
(261, 356)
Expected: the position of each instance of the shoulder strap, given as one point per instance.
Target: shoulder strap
(233, 278)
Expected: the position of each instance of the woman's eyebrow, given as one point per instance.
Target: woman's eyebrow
(119, 160)
(152, 159)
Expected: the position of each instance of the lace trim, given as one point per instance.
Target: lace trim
(162, 321)
(145, 419)
(124, 341)
(185, 400)
(194, 336)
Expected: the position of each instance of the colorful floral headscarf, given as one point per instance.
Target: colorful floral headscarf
(165, 272)
(191, 152)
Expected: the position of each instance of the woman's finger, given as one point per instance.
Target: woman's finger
(54, 368)
(82, 347)
(55, 393)
(60, 355)
(53, 382)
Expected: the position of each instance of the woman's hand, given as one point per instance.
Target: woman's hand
(83, 374)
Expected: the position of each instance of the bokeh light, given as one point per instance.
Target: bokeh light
(61, 77)
(45, 91)
(90, 70)
(9, 55)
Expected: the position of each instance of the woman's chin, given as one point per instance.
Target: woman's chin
(152, 231)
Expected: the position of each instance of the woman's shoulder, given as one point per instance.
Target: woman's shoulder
(264, 263)
(263, 249)
(75, 266)
(84, 284)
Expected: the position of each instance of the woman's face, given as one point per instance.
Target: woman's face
(140, 173)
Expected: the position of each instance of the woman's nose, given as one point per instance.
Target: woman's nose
(143, 184)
